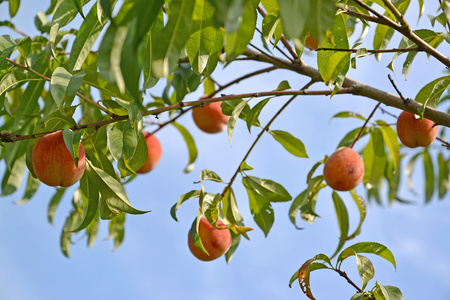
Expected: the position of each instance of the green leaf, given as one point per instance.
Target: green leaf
(282, 86)
(260, 207)
(236, 42)
(13, 177)
(54, 202)
(192, 149)
(181, 200)
(290, 143)
(228, 13)
(64, 86)
(32, 187)
(388, 292)
(351, 136)
(343, 222)
(383, 33)
(365, 269)
(210, 206)
(113, 192)
(230, 208)
(306, 201)
(110, 55)
(235, 240)
(65, 12)
(375, 160)
(268, 189)
(24, 46)
(90, 197)
(14, 78)
(150, 43)
(429, 175)
(444, 175)
(13, 7)
(348, 114)
(367, 247)
(94, 79)
(173, 37)
(234, 117)
(117, 230)
(201, 41)
(334, 65)
(66, 234)
(294, 14)
(391, 141)
(193, 232)
(320, 18)
(362, 209)
(72, 142)
(92, 230)
(272, 27)
(252, 117)
(85, 39)
(431, 93)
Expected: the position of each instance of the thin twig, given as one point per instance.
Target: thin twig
(237, 80)
(283, 38)
(29, 69)
(276, 47)
(396, 88)
(265, 129)
(365, 124)
(374, 51)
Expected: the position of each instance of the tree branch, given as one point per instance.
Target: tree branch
(405, 31)
(373, 51)
(355, 88)
(29, 69)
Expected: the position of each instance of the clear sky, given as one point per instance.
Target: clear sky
(154, 262)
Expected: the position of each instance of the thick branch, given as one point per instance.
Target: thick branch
(404, 30)
(355, 88)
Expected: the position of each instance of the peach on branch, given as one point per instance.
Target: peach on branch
(215, 241)
(344, 169)
(210, 118)
(413, 133)
(52, 162)
(154, 153)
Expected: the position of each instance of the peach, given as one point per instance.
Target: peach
(215, 241)
(413, 133)
(311, 43)
(52, 162)
(154, 153)
(210, 118)
(344, 169)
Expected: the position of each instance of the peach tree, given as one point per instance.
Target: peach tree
(91, 74)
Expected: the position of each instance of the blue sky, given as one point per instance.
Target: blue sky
(154, 262)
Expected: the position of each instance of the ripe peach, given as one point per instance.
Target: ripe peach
(311, 43)
(344, 169)
(52, 162)
(154, 153)
(210, 118)
(413, 133)
(215, 241)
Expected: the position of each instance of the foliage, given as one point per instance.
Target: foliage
(93, 79)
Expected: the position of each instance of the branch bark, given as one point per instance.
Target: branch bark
(356, 88)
